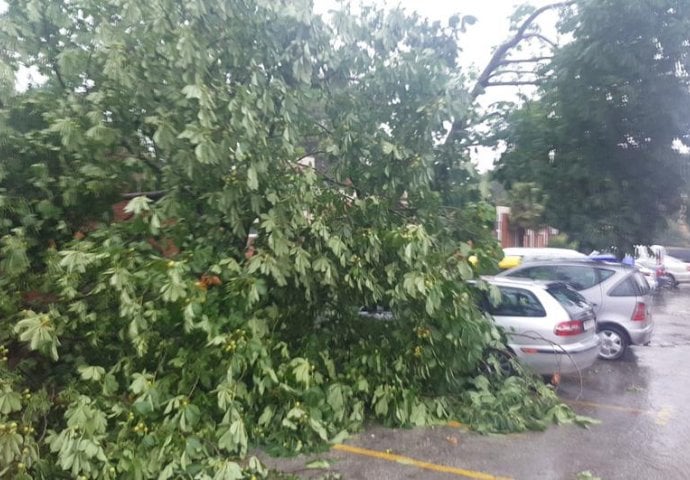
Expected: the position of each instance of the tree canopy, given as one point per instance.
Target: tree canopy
(599, 140)
(179, 284)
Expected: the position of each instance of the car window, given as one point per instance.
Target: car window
(568, 298)
(580, 277)
(517, 302)
(604, 274)
(630, 287)
(641, 282)
(535, 273)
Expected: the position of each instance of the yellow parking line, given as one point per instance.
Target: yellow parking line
(391, 457)
(662, 416)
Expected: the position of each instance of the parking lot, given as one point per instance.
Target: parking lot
(640, 401)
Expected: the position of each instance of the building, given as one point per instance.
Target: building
(511, 236)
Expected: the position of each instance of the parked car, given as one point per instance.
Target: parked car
(649, 275)
(677, 270)
(681, 253)
(654, 258)
(514, 256)
(620, 294)
(549, 326)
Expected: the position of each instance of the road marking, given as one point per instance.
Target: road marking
(661, 416)
(391, 457)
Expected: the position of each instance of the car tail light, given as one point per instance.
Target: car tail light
(640, 312)
(569, 328)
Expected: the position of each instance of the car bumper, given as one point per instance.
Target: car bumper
(641, 336)
(564, 359)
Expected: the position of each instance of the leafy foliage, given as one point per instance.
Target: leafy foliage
(526, 206)
(599, 140)
(168, 334)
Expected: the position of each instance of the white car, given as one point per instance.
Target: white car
(677, 270)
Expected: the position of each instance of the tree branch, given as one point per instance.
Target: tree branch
(51, 53)
(525, 60)
(508, 71)
(56, 70)
(513, 83)
(500, 53)
(153, 195)
(541, 37)
(498, 57)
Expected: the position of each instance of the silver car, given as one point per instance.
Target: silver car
(550, 327)
(620, 294)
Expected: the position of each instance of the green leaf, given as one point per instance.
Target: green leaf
(138, 205)
(76, 260)
(15, 260)
(228, 470)
(39, 331)
(252, 179)
(301, 369)
(318, 464)
(91, 373)
(191, 91)
(10, 401)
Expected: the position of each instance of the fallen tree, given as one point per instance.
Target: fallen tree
(278, 172)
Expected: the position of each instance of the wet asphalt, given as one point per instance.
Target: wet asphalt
(640, 401)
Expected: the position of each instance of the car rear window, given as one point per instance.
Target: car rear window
(517, 302)
(568, 298)
(634, 285)
(641, 283)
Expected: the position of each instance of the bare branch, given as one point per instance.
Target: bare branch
(500, 53)
(58, 75)
(499, 56)
(513, 82)
(541, 37)
(525, 60)
(508, 71)
(154, 195)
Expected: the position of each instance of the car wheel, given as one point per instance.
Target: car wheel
(501, 362)
(614, 342)
(673, 283)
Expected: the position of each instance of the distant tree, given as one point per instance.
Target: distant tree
(526, 203)
(599, 140)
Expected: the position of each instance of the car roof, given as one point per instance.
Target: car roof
(545, 251)
(575, 262)
(521, 282)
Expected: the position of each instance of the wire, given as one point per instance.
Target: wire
(533, 335)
